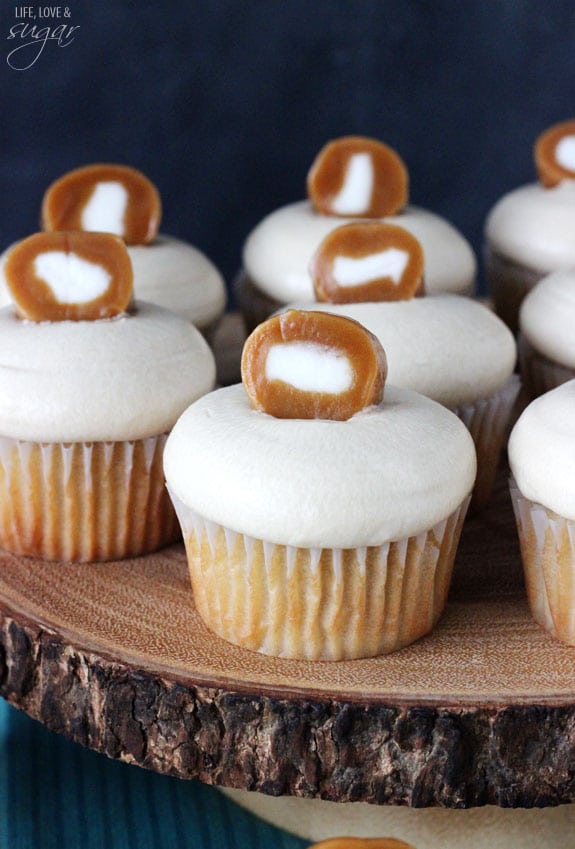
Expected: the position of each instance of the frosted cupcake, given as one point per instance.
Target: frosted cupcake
(320, 520)
(450, 348)
(121, 200)
(352, 178)
(90, 384)
(542, 460)
(546, 341)
(529, 232)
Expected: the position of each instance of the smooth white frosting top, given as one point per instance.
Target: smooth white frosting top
(547, 317)
(389, 472)
(115, 379)
(534, 226)
(448, 347)
(278, 251)
(542, 450)
(171, 273)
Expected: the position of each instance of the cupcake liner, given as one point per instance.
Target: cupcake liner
(84, 501)
(210, 330)
(254, 305)
(538, 373)
(509, 282)
(547, 543)
(488, 422)
(319, 603)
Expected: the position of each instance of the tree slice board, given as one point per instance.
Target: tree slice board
(481, 711)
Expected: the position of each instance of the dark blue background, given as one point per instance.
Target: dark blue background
(224, 103)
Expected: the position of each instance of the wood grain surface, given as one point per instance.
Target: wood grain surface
(482, 710)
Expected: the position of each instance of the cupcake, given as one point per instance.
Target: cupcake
(542, 460)
(529, 232)
(121, 200)
(448, 347)
(352, 178)
(91, 383)
(320, 514)
(546, 342)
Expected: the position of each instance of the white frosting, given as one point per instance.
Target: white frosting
(547, 317)
(565, 153)
(171, 273)
(534, 226)
(542, 450)
(309, 367)
(449, 348)
(352, 271)
(389, 472)
(278, 251)
(116, 379)
(355, 194)
(72, 278)
(178, 276)
(105, 208)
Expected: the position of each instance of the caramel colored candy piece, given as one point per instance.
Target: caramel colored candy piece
(367, 261)
(107, 199)
(313, 365)
(555, 154)
(69, 276)
(362, 843)
(357, 176)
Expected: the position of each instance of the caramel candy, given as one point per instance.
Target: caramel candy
(362, 843)
(69, 276)
(104, 198)
(367, 261)
(555, 154)
(357, 176)
(313, 365)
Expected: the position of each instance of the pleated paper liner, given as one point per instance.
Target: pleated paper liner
(319, 603)
(547, 543)
(254, 304)
(84, 501)
(539, 374)
(509, 282)
(488, 422)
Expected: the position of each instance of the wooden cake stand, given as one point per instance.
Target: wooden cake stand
(482, 711)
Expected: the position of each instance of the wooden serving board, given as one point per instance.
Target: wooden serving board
(115, 657)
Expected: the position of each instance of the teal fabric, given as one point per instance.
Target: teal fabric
(56, 795)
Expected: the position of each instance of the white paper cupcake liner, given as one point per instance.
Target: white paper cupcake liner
(488, 422)
(547, 543)
(84, 501)
(254, 305)
(319, 603)
(509, 282)
(538, 373)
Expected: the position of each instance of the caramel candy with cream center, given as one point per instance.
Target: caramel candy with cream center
(313, 365)
(358, 176)
(104, 198)
(69, 276)
(362, 843)
(367, 261)
(555, 154)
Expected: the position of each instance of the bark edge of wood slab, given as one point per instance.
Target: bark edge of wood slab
(350, 732)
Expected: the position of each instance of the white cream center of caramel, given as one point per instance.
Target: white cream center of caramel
(309, 367)
(354, 197)
(565, 152)
(104, 212)
(72, 279)
(351, 271)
